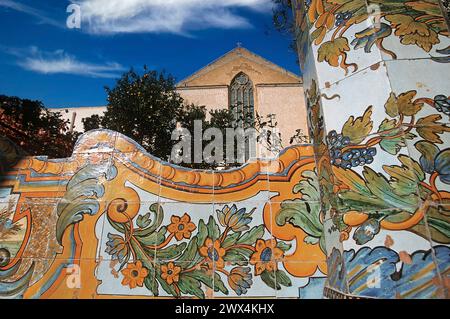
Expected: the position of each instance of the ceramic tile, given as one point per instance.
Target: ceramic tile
(314, 289)
(417, 81)
(297, 228)
(131, 279)
(185, 280)
(408, 43)
(296, 286)
(339, 55)
(117, 245)
(419, 278)
(32, 232)
(242, 282)
(98, 141)
(431, 158)
(361, 113)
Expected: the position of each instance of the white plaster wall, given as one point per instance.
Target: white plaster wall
(212, 97)
(80, 113)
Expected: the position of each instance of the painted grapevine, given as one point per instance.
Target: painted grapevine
(400, 197)
(416, 23)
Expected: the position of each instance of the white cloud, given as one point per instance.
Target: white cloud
(60, 62)
(17, 6)
(170, 16)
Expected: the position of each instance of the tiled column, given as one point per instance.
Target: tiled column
(377, 83)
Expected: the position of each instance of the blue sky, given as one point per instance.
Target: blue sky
(41, 58)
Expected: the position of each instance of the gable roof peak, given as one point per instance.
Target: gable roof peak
(239, 51)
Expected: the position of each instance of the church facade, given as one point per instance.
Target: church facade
(239, 78)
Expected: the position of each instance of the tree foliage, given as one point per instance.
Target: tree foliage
(147, 108)
(34, 128)
(144, 107)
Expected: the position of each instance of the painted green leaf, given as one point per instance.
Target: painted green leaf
(361, 202)
(143, 221)
(219, 285)
(170, 252)
(357, 129)
(202, 233)
(213, 228)
(404, 179)
(308, 187)
(250, 237)
(239, 251)
(429, 128)
(191, 250)
(423, 231)
(387, 125)
(202, 276)
(394, 145)
(283, 279)
(427, 7)
(158, 212)
(352, 180)
(151, 285)
(269, 279)
(189, 283)
(284, 246)
(153, 239)
(429, 152)
(438, 218)
(440, 225)
(78, 199)
(380, 187)
(230, 240)
(236, 258)
(352, 6)
(302, 214)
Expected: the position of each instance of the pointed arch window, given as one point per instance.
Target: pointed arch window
(242, 100)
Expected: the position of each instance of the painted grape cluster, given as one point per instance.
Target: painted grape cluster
(343, 156)
(343, 17)
(442, 104)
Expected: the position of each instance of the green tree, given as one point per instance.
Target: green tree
(147, 109)
(144, 107)
(219, 118)
(91, 123)
(36, 129)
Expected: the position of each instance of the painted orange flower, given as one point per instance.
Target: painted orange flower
(134, 275)
(170, 273)
(266, 256)
(181, 227)
(213, 253)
